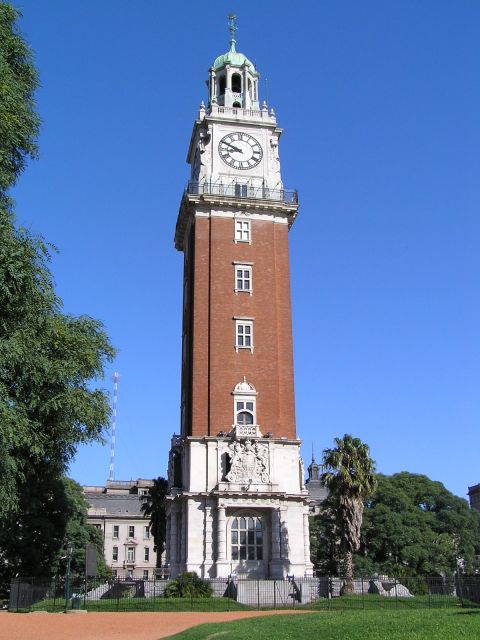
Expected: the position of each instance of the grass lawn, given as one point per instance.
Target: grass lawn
(439, 624)
(147, 604)
(373, 601)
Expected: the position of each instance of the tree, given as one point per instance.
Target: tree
(19, 123)
(350, 478)
(48, 360)
(52, 512)
(79, 533)
(415, 526)
(154, 507)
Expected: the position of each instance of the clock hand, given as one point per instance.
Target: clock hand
(234, 147)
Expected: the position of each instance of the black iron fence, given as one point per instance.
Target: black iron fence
(229, 594)
(241, 191)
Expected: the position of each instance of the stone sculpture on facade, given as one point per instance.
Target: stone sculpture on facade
(249, 462)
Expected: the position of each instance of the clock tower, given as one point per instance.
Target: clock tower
(237, 503)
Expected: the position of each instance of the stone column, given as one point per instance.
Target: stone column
(284, 536)
(207, 551)
(221, 534)
(173, 534)
(183, 535)
(167, 537)
(276, 534)
(306, 538)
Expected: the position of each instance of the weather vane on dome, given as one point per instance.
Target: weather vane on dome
(232, 28)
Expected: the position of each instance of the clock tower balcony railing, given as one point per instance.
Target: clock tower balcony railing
(240, 191)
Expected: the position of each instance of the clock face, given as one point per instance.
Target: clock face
(240, 150)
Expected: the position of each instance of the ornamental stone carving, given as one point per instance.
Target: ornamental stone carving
(249, 462)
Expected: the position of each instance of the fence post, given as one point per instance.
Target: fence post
(117, 589)
(396, 594)
(363, 596)
(258, 593)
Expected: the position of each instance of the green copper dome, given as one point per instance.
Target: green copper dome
(235, 59)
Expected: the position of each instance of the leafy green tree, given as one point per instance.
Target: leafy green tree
(19, 123)
(79, 533)
(415, 526)
(48, 360)
(350, 478)
(154, 508)
(33, 539)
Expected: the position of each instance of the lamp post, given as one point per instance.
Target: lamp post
(67, 573)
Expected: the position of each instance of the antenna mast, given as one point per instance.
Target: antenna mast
(115, 378)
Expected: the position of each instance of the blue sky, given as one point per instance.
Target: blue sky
(379, 102)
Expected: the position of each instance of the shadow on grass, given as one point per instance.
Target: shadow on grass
(467, 612)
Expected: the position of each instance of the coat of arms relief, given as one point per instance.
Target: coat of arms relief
(249, 462)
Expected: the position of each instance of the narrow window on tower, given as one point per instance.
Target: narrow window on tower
(243, 278)
(242, 231)
(245, 411)
(244, 334)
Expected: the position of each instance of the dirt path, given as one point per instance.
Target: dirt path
(111, 626)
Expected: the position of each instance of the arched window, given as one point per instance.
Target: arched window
(237, 83)
(244, 404)
(236, 104)
(222, 86)
(247, 538)
(244, 412)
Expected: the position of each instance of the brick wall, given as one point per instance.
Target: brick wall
(216, 367)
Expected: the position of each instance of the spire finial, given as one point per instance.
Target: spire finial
(232, 28)
(313, 454)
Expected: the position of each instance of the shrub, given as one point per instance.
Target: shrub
(188, 584)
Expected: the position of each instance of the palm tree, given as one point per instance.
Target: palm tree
(350, 478)
(153, 507)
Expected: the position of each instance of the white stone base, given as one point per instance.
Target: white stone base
(201, 513)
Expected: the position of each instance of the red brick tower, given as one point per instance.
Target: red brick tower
(235, 471)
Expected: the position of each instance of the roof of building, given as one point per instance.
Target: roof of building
(235, 59)
(115, 505)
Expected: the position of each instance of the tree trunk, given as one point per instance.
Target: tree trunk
(348, 570)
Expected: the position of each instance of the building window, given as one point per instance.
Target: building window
(130, 554)
(245, 408)
(222, 83)
(114, 574)
(243, 278)
(147, 554)
(143, 492)
(236, 83)
(146, 533)
(244, 334)
(241, 190)
(97, 526)
(242, 227)
(129, 575)
(247, 538)
(131, 531)
(115, 553)
(116, 531)
(145, 574)
(244, 412)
